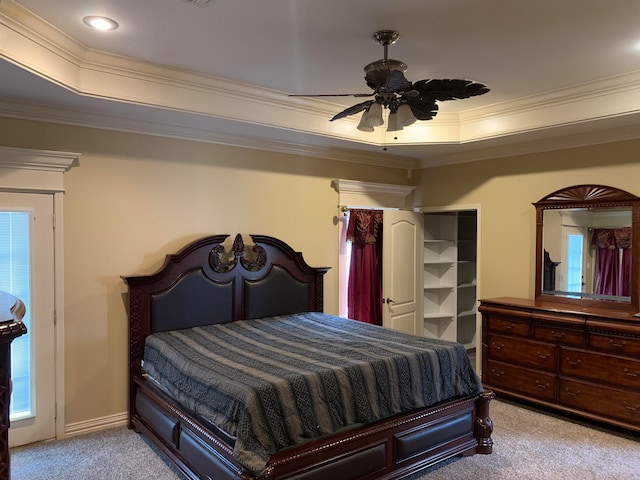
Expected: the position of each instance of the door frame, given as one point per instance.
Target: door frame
(566, 231)
(35, 420)
(41, 171)
(365, 195)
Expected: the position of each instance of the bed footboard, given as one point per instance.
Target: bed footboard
(390, 449)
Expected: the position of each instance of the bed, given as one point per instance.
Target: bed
(246, 300)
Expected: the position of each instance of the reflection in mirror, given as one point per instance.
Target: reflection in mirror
(587, 253)
(588, 248)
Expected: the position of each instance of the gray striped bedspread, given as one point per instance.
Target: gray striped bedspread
(283, 381)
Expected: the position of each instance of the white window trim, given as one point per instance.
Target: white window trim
(41, 171)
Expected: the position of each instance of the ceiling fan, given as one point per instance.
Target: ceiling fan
(406, 101)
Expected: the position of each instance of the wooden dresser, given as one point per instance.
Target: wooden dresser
(11, 312)
(580, 360)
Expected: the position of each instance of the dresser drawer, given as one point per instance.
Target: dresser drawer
(520, 380)
(562, 336)
(509, 325)
(526, 353)
(610, 369)
(617, 345)
(608, 402)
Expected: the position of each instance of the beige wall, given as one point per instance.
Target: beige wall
(505, 188)
(135, 198)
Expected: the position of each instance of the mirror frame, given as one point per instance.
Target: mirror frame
(591, 196)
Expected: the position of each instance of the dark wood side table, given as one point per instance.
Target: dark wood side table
(11, 312)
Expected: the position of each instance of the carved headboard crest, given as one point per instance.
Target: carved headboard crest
(217, 254)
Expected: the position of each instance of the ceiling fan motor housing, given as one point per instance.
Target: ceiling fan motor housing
(386, 38)
(386, 64)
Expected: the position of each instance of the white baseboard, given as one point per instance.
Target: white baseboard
(96, 424)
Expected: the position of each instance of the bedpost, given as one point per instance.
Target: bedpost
(137, 333)
(483, 427)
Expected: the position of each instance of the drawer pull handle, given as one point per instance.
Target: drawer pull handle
(557, 334)
(573, 394)
(495, 373)
(543, 356)
(508, 326)
(542, 385)
(497, 346)
(575, 363)
(632, 408)
(617, 345)
(629, 373)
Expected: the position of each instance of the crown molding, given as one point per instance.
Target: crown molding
(34, 45)
(356, 186)
(93, 120)
(34, 171)
(45, 160)
(354, 193)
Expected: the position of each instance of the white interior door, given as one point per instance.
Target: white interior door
(27, 271)
(402, 271)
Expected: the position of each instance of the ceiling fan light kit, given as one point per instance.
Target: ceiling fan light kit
(372, 117)
(405, 115)
(363, 126)
(392, 123)
(407, 102)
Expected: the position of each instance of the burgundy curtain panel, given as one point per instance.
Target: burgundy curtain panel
(365, 274)
(613, 261)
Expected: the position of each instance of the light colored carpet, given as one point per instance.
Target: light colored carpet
(528, 444)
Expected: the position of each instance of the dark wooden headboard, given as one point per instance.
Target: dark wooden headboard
(204, 283)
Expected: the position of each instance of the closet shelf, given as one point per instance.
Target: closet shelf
(439, 240)
(450, 273)
(440, 316)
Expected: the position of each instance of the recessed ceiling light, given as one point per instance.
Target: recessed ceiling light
(100, 23)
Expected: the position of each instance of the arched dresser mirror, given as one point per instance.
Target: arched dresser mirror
(588, 247)
(575, 347)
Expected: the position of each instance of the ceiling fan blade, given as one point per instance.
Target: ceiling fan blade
(387, 80)
(337, 95)
(360, 107)
(449, 89)
(422, 108)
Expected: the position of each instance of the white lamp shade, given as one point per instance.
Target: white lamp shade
(392, 123)
(362, 126)
(405, 115)
(373, 116)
